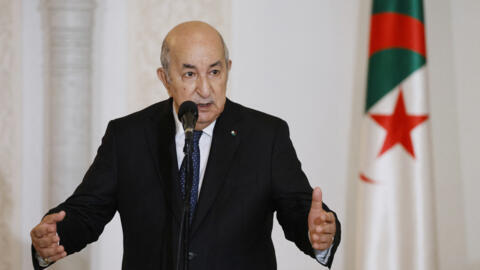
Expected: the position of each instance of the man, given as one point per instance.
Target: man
(246, 170)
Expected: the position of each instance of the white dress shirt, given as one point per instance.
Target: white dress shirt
(204, 146)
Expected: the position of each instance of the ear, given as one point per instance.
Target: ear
(162, 75)
(229, 65)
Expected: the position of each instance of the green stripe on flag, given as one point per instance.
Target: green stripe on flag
(386, 69)
(412, 8)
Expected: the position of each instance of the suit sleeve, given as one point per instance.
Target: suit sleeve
(292, 194)
(93, 204)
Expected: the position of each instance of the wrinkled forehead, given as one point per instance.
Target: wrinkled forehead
(196, 48)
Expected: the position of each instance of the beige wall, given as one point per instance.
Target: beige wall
(10, 134)
(453, 55)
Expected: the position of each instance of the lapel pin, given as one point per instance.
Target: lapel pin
(233, 133)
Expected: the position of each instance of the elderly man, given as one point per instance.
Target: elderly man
(246, 168)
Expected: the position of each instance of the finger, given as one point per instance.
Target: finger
(325, 239)
(44, 229)
(57, 257)
(39, 231)
(320, 232)
(54, 218)
(329, 217)
(35, 233)
(326, 228)
(317, 236)
(322, 239)
(319, 246)
(314, 237)
(47, 241)
(323, 217)
(50, 252)
(322, 227)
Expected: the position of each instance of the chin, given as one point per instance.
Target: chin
(205, 116)
(205, 121)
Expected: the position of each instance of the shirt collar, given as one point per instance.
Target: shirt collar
(179, 127)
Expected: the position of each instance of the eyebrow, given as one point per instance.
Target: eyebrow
(218, 63)
(188, 66)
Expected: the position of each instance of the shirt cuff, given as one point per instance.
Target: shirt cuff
(322, 256)
(41, 261)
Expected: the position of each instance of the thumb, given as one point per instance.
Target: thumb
(316, 200)
(54, 218)
(316, 208)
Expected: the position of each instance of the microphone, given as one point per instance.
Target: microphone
(188, 115)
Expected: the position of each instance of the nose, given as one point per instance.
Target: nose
(203, 86)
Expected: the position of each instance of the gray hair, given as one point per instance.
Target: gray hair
(165, 54)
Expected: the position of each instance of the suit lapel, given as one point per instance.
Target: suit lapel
(222, 152)
(160, 134)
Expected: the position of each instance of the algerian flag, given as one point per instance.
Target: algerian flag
(395, 215)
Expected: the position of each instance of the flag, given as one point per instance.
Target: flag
(395, 214)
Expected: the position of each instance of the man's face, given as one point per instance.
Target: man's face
(198, 72)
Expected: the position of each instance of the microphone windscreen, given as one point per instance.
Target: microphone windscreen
(188, 107)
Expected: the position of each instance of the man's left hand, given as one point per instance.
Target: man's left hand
(321, 224)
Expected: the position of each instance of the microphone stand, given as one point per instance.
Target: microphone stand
(184, 236)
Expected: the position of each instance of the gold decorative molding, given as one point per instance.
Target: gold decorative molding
(149, 22)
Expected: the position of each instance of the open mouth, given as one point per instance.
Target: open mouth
(203, 106)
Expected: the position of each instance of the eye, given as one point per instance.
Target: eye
(189, 75)
(215, 72)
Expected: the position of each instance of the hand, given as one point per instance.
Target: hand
(321, 224)
(45, 239)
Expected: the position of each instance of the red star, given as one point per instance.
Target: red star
(398, 126)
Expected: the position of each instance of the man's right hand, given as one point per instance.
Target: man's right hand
(45, 239)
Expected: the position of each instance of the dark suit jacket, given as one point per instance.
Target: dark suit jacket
(248, 177)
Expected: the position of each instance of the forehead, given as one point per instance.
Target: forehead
(196, 48)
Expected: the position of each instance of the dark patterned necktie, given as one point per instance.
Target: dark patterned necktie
(196, 173)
